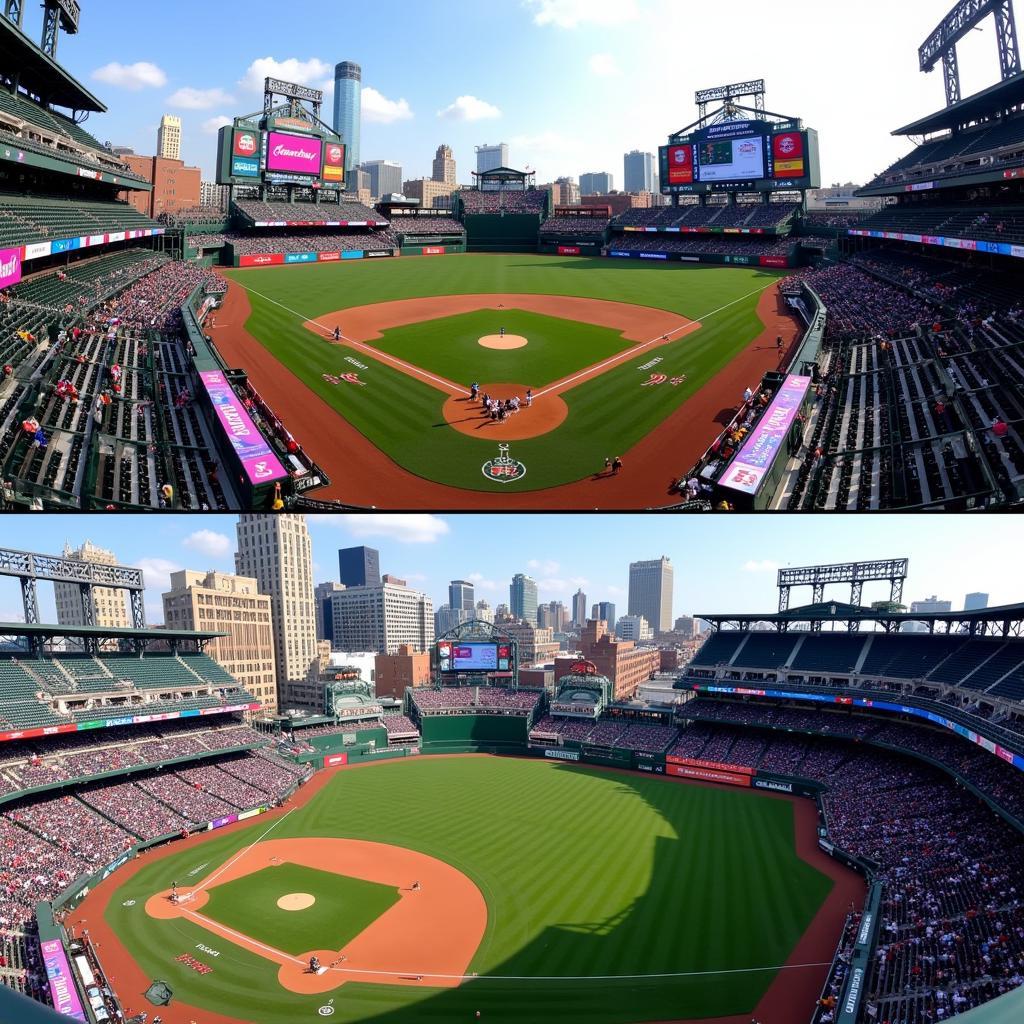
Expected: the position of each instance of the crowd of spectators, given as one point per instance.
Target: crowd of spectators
(426, 226)
(336, 241)
(532, 200)
(194, 215)
(828, 219)
(283, 213)
(155, 300)
(508, 701)
(606, 732)
(704, 245)
(575, 226)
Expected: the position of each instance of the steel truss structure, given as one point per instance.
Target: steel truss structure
(30, 568)
(855, 573)
(966, 16)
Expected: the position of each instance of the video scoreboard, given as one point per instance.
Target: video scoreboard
(284, 153)
(474, 656)
(755, 156)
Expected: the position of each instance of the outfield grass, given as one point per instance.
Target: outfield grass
(586, 874)
(451, 347)
(344, 907)
(607, 414)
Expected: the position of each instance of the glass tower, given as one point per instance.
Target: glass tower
(348, 91)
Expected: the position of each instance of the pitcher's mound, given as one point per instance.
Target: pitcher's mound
(504, 342)
(296, 901)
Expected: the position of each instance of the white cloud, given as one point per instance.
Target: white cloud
(199, 99)
(378, 109)
(11, 615)
(766, 565)
(413, 528)
(573, 13)
(469, 108)
(208, 542)
(313, 72)
(562, 586)
(547, 567)
(481, 583)
(212, 125)
(614, 591)
(141, 75)
(157, 574)
(605, 65)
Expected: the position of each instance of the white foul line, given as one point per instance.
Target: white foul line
(376, 353)
(629, 353)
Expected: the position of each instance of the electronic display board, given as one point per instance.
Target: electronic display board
(294, 154)
(474, 656)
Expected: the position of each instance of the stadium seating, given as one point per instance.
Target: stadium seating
(425, 226)
(277, 212)
(334, 241)
(575, 226)
(504, 200)
(25, 219)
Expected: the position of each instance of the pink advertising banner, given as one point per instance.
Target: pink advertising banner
(10, 267)
(62, 985)
(259, 462)
(294, 153)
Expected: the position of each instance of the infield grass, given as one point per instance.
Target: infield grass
(607, 414)
(343, 907)
(586, 874)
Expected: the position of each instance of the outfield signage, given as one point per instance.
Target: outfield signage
(562, 755)
(221, 822)
(333, 760)
(56, 246)
(763, 446)
(62, 984)
(320, 224)
(882, 705)
(779, 787)
(967, 244)
(694, 762)
(569, 250)
(733, 778)
(259, 462)
(433, 250)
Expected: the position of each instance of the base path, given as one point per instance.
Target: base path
(364, 475)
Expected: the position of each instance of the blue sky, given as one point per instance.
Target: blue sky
(570, 84)
(721, 564)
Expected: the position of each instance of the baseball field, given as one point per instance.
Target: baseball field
(632, 360)
(545, 892)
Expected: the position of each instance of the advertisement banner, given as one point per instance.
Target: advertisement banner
(295, 153)
(352, 255)
(300, 257)
(62, 984)
(707, 775)
(378, 252)
(569, 250)
(259, 462)
(10, 267)
(774, 261)
(221, 822)
(244, 167)
(37, 249)
(680, 165)
(246, 145)
(695, 762)
(562, 755)
(59, 245)
(328, 257)
(334, 162)
(788, 154)
(97, 239)
(266, 259)
(435, 250)
(333, 760)
(766, 439)
(114, 236)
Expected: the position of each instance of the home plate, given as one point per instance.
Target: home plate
(504, 341)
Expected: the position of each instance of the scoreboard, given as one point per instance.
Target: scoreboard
(755, 156)
(282, 152)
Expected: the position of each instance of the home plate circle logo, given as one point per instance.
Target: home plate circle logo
(504, 469)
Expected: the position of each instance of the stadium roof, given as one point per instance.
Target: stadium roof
(104, 632)
(989, 101)
(41, 75)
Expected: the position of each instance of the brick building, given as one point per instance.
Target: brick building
(625, 664)
(175, 186)
(394, 672)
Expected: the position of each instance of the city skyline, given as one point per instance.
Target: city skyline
(720, 567)
(599, 59)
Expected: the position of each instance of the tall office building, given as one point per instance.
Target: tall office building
(447, 617)
(444, 166)
(168, 137)
(324, 617)
(359, 567)
(277, 552)
(381, 617)
(460, 595)
(484, 612)
(929, 605)
(579, 608)
(975, 602)
(212, 194)
(639, 171)
(225, 603)
(522, 595)
(385, 177)
(109, 606)
(633, 627)
(604, 611)
(490, 157)
(650, 592)
(553, 615)
(348, 109)
(596, 183)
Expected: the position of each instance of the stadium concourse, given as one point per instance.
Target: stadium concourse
(904, 748)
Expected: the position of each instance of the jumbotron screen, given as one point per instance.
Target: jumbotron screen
(474, 656)
(753, 154)
(297, 154)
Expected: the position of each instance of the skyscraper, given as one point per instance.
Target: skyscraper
(324, 621)
(596, 183)
(444, 166)
(928, 606)
(604, 610)
(109, 607)
(277, 552)
(168, 137)
(484, 612)
(639, 171)
(348, 108)
(975, 602)
(579, 608)
(650, 592)
(385, 177)
(523, 598)
(233, 605)
(359, 567)
(381, 617)
(489, 157)
(460, 595)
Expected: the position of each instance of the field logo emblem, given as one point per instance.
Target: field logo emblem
(128, 903)
(504, 469)
(326, 1010)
